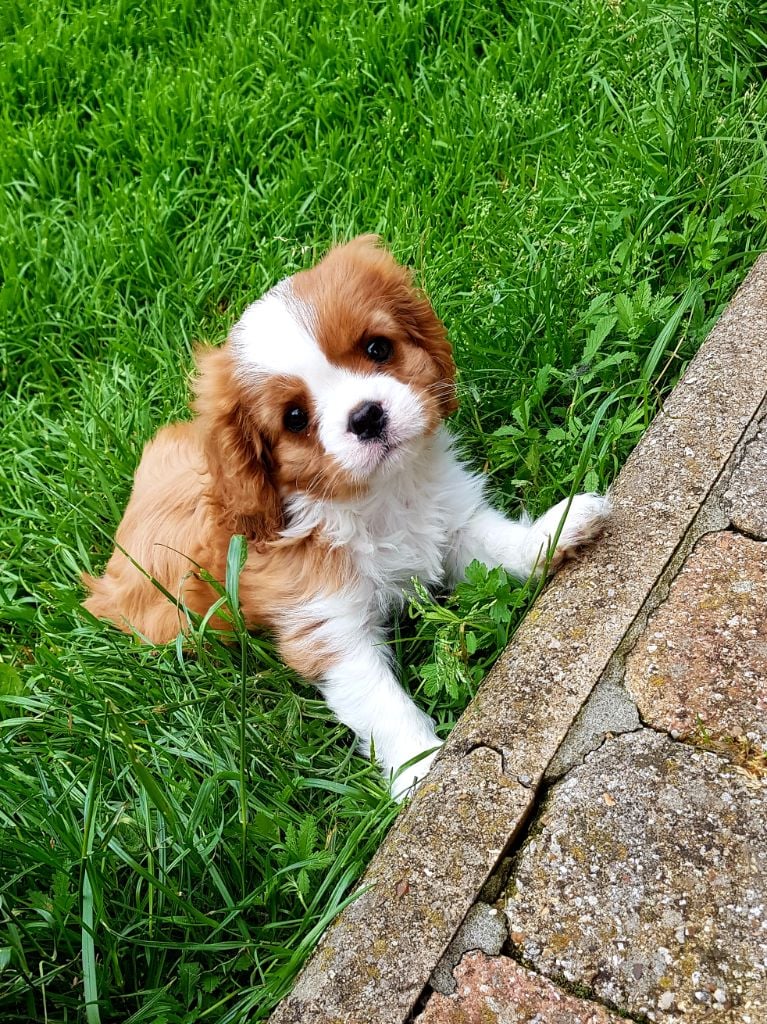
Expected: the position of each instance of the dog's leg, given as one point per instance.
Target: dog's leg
(363, 692)
(521, 547)
(352, 666)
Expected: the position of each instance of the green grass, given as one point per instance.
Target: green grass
(580, 186)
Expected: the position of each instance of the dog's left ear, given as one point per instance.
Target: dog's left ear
(237, 454)
(409, 304)
(426, 328)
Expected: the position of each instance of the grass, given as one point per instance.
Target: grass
(580, 186)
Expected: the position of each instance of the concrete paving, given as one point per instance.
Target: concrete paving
(605, 789)
(495, 990)
(699, 668)
(647, 883)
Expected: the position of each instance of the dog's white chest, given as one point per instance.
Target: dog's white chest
(404, 534)
(405, 525)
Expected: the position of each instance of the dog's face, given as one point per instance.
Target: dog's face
(331, 378)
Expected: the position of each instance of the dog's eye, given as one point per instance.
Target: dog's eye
(295, 419)
(379, 349)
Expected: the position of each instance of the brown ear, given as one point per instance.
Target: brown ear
(431, 335)
(237, 454)
(417, 314)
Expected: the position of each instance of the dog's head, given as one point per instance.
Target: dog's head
(325, 383)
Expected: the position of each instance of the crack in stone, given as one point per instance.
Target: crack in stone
(498, 876)
(685, 741)
(580, 991)
(606, 738)
(466, 749)
(710, 518)
(420, 1005)
(643, 724)
(757, 424)
(484, 929)
(552, 780)
(609, 710)
(706, 521)
(745, 534)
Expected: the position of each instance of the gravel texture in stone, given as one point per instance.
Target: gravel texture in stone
(483, 928)
(609, 709)
(745, 500)
(647, 883)
(700, 667)
(496, 990)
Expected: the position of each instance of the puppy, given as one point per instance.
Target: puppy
(318, 435)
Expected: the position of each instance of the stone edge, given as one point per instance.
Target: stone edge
(508, 736)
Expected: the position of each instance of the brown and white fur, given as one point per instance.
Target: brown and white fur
(318, 435)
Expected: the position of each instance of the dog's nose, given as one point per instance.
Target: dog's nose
(367, 421)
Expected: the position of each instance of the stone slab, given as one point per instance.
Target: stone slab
(699, 668)
(745, 500)
(647, 884)
(373, 963)
(496, 990)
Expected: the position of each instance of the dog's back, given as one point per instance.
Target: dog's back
(165, 535)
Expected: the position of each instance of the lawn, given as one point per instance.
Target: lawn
(580, 187)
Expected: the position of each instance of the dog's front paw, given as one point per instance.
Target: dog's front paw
(405, 780)
(581, 523)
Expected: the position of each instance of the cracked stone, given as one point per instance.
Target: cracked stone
(484, 928)
(700, 666)
(378, 955)
(496, 990)
(745, 500)
(654, 900)
(609, 709)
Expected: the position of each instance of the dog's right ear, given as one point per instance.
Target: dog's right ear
(237, 454)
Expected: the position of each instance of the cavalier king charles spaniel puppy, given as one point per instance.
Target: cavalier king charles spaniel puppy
(318, 435)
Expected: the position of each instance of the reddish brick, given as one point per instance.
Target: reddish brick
(496, 989)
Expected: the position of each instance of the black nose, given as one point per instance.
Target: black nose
(367, 421)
